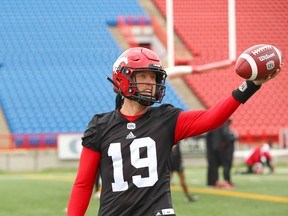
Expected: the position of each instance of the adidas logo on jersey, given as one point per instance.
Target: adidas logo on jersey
(130, 136)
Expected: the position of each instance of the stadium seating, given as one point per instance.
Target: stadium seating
(55, 56)
(204, 29)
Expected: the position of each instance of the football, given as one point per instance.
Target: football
(258, 62)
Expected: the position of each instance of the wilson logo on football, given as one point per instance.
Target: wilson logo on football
(267, 56)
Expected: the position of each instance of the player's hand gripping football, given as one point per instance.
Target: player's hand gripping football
(261, 81)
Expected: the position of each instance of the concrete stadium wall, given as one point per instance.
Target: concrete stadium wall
(34, 160)
(38, 160)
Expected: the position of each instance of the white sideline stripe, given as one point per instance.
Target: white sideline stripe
(252, 64)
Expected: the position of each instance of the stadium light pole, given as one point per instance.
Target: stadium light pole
(170, 33)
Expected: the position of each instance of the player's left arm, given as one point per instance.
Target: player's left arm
(194, 123)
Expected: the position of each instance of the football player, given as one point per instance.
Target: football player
(177, 165)
(131, 145)
(259, 156)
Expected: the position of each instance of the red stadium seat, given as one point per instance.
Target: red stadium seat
(203, 27)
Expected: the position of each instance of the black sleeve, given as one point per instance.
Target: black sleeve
(90, 138)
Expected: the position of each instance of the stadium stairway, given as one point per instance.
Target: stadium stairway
(4, 129)
(182, 54)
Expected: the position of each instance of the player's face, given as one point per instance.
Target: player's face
(144, 80)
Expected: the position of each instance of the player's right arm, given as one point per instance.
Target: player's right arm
(84, 182)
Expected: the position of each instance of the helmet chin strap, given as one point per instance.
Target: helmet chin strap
(144, 102)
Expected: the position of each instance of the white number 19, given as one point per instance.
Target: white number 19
(150, 162)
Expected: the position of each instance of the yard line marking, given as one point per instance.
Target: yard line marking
(234, 194)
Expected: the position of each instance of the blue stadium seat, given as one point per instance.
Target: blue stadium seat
(56, 55)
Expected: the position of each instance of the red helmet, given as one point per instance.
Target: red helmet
(134, 60)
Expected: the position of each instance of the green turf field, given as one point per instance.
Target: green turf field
(47, 193)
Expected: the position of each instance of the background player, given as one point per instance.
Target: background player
(258, 157)
(176, 165)
(98, 184)
(220, 149)
(131, 145)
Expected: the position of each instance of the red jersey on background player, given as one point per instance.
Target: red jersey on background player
(259, 156)
(131, 145)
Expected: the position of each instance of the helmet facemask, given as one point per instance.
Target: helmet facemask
(146, 97)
